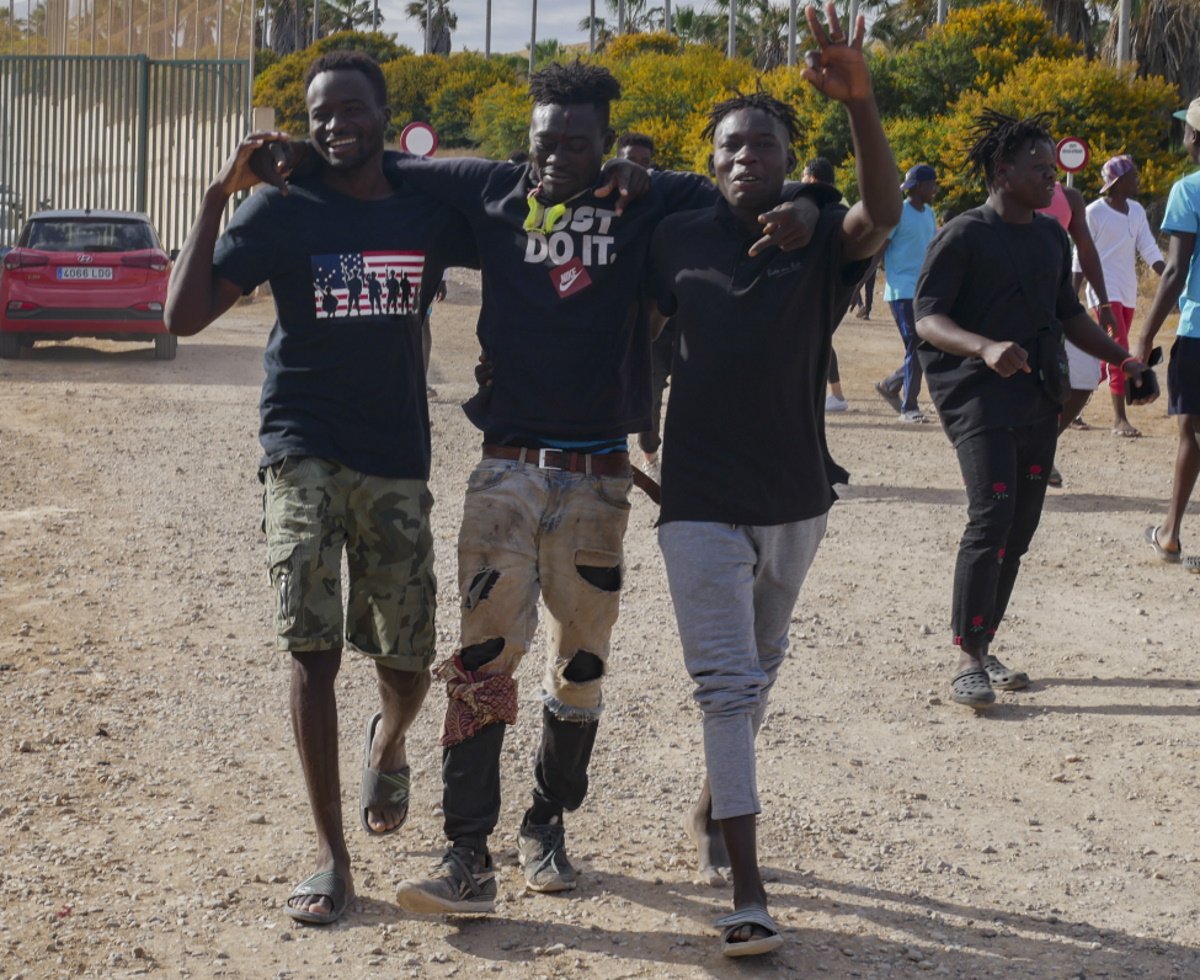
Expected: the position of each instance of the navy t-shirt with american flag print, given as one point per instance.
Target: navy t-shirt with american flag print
(351, 279)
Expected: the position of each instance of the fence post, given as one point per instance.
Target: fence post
(143, 131)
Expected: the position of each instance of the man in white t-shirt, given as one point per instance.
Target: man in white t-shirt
(1121, 232)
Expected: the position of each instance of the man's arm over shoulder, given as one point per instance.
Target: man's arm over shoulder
(459, 182)
(683, 191)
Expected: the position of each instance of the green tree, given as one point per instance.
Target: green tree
(1114, 111)
(282, 85)
(500, 120)
(466, 76)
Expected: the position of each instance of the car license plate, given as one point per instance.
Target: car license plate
(85, 272)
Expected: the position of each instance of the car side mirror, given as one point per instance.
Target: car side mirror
(174, 254)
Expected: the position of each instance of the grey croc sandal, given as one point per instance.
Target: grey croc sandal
(323, 884)
(972, 688)
(381, 789)
(1004, 678)
(751, 915)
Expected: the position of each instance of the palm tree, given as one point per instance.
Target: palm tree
(442, 19)
(698, 28)
(347, 15)
(1075, 19)
(1164, 36)
(640, 18)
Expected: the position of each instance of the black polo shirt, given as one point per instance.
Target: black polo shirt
(1003, 281)
(745, 431)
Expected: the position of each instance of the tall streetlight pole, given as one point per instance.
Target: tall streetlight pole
(592, 29)
(428, 25)
(487, 32)
(731, 44)
(532, 37)
(620, 17)
(792, 33)
(668, 22)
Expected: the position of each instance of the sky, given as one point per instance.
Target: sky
(510, 23)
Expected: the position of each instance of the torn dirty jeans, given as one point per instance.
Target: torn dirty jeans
(526, 532)
(734, 588)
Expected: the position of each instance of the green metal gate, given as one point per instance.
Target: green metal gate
(123, 132)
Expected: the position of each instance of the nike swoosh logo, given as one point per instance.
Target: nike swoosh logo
(568, 280)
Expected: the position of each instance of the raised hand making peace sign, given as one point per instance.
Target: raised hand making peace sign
(837, 68)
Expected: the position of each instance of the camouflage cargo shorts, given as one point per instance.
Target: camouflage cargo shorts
(313, 510)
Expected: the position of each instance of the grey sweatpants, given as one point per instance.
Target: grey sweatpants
(734, 588)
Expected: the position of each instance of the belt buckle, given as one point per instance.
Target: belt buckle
(541, 460)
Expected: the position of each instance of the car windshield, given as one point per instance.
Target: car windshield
(88, 235)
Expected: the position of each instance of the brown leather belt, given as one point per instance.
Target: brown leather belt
(602, 464)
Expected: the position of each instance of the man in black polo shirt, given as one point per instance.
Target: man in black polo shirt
(748, 481)
(345, 433)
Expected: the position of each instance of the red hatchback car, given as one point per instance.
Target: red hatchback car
(85, 274)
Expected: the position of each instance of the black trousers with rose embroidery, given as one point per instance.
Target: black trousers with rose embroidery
(1005, 472)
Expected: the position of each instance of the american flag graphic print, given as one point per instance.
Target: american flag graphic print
(367, 284)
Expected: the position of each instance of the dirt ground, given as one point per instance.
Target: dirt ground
(153, 818)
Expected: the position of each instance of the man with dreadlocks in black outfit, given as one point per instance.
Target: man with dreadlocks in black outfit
(748, 482)
(994, 300)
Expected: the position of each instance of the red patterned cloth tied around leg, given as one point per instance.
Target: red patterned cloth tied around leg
(476, 700)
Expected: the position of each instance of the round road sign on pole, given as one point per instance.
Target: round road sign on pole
(1073, 154)
(420, 139)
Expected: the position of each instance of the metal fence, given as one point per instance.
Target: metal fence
(123, 132)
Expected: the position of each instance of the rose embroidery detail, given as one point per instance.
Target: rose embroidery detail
(1000, 491)
(1035, 472)
(976, 624)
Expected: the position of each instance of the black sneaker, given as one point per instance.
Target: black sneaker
(543, 852)
(463, 882)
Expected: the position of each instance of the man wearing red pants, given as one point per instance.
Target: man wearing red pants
(1119, 228)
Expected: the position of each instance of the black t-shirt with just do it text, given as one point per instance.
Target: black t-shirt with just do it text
(745, 431)
(559, 321)
(971, 275)
(351, 280)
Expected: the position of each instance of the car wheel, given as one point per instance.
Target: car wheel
(10, 345)
(165, 345)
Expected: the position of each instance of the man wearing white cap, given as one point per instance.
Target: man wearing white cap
(1180, 284)
(1121, 232)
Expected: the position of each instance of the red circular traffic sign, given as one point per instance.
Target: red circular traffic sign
(1073, 154)
(420, 139)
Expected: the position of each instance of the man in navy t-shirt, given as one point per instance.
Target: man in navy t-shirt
(345, 432)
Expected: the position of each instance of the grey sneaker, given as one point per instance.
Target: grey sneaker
(463, 882)
(889, 396)
(914, 416)
(543, 852)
